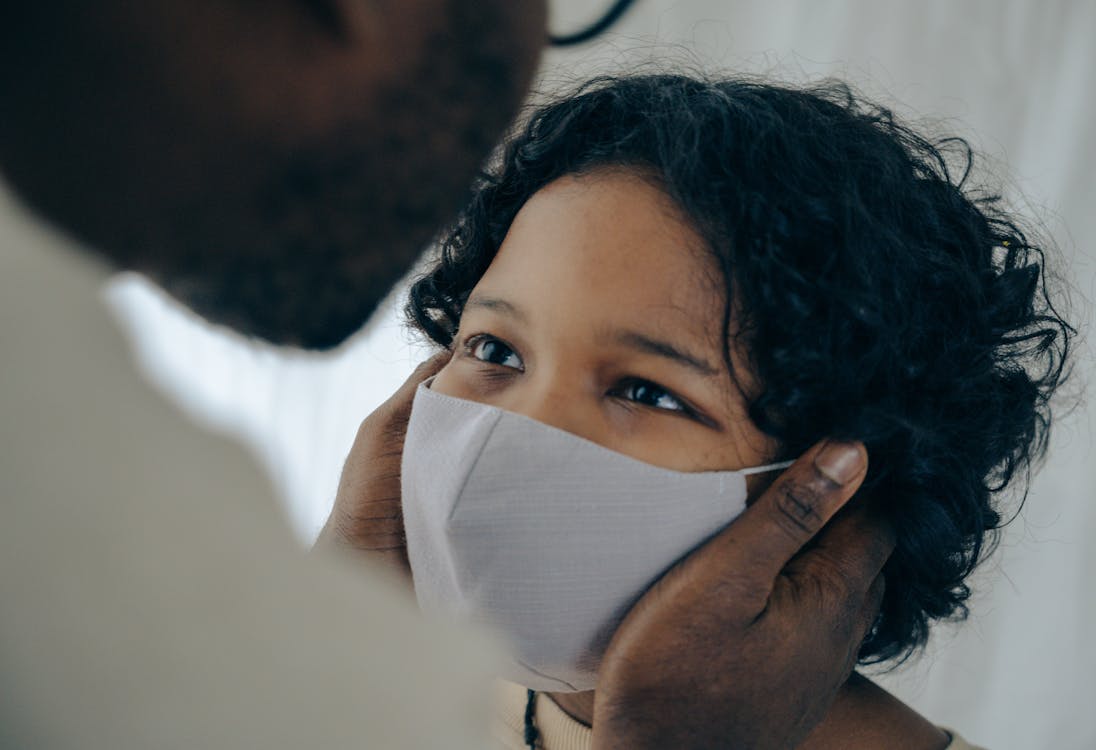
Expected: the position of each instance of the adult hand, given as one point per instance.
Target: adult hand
(368, 515)
(746, 642)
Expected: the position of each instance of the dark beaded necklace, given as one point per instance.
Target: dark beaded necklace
(532, 734)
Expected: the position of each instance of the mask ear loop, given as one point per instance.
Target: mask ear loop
(766, 468)
(593, 30)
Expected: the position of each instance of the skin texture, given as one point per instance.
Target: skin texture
(586, 258)
(866, 717)
(596, 282)
(276, 166)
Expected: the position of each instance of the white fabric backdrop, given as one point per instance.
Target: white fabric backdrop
(1015, 77)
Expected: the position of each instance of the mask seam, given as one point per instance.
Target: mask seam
(472, 468)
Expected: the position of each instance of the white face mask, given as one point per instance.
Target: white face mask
(543, 535)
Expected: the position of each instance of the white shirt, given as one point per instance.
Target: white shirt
(150, 592)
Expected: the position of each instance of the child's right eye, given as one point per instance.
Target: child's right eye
(494, 351)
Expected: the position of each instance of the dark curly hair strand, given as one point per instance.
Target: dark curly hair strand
(879, 297)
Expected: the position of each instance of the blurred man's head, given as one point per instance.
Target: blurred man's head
(276, 165)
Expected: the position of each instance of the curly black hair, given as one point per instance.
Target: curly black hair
(879, 295)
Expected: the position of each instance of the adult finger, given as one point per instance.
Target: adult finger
(427, 369)
(389, 421)
(367, 514)
(851, 551)
(841, 574)
(793, 509)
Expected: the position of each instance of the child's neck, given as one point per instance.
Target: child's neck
(579, 706)
(863, 717)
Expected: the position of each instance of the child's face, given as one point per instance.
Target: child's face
(601, 315)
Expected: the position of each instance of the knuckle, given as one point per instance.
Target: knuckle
(797, 505)
(394, 432)
(833, 591)
(833, 581)
(372, 425)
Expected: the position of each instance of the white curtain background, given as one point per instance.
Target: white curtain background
(1017, 78)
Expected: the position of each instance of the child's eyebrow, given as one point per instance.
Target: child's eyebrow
(631, 339)
(644, 343)
(497, 304)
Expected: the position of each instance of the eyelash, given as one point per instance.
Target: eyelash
(628, 383)
(472, 343)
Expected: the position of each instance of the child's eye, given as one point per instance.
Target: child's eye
(649, 394)
(489, 349)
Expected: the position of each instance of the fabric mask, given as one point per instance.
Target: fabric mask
(542, 535)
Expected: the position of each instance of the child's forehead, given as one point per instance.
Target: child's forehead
(610, 246)
(611, 223)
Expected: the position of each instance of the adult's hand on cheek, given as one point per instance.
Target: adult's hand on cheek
(368, 515)
(746, 642)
